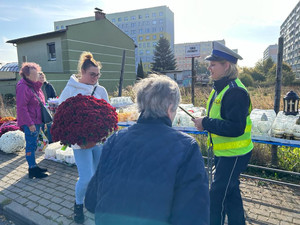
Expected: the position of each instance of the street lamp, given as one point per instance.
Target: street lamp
(291, 103)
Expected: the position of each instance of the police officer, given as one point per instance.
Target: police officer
(229, 135)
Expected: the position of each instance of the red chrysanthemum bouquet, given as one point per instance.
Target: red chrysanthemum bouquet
(84, 120)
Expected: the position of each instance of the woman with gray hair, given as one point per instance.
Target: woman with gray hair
(150, 173)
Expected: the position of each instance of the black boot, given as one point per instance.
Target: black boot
(43, 170)
(35, 172)
(78, 211)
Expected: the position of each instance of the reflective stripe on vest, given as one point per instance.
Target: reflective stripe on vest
(228, 146)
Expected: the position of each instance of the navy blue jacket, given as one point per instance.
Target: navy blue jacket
(234, 110)
(149, 174)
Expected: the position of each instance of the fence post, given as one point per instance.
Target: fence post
(274, 156)
(193, 80)
(122, 74)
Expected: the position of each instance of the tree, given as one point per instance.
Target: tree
(267, 65)
(163, 56)
(288, 76)
(201, 67)
(140, 71)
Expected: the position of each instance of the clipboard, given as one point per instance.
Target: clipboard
(186, 112)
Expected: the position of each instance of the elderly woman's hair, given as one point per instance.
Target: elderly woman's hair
(27, 66)
(86, 60)
(155, 94)
(232, 72)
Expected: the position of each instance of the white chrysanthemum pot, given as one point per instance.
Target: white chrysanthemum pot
(12, 141)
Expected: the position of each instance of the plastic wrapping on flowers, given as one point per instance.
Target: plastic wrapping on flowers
(12, 141)
(82, 120)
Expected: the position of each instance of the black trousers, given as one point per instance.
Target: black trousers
(225, 195)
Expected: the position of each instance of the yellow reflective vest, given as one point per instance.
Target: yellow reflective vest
(228, 146)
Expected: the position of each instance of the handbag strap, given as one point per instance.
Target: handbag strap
(36, 96)
(94, 91)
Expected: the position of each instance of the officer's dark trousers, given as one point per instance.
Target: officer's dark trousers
(225, 196)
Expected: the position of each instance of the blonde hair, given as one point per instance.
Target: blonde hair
(86, 60)
(232, 72)
(155, 94)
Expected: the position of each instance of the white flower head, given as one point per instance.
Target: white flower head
(12, 141)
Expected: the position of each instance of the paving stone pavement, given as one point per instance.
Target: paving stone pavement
(50, 201)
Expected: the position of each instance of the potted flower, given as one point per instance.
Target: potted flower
(83, 120)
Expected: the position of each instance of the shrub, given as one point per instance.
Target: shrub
(246, 79)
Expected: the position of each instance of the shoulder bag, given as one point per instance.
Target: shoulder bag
(46, 115)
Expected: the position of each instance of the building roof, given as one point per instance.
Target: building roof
(36, 36)
(10, 67)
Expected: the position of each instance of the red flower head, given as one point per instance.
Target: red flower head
(83, 119)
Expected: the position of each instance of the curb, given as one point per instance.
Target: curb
(20, 215)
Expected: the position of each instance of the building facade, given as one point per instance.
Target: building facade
(184, 63)
(145, 27)
(290, 31)
(271, 52)
(58, 52)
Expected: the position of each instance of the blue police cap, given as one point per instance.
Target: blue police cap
(221, 52)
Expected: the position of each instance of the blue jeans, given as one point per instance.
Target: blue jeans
(31, 144)
(86, 161)
(225, 195)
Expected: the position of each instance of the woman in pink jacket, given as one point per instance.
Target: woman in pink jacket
(29, 113)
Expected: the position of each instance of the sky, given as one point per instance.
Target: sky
(247, 25)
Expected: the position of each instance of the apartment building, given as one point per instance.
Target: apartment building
(271, 52)
(145, 27)
(184, 63)
(290, 31)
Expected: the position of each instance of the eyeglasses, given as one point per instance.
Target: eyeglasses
(95, 75)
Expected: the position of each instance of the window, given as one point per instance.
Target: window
(126, 18)
(140, 38)
(140, 31)
(147, 15)
(153, 14)
(57, 27)
(119, 19)
(161, 29)
(141, 52)
(62, 27)
(161, 35)
(140, 16)
(51, 51)
(154, 22)
(147, 30)
(154, 37)
(153, 29)
(147, 37)
(132, 24)
(161, 21)
(113, 20)
(133, 18)
(161, 13)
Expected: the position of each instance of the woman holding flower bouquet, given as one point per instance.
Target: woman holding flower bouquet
(29, 113)
(86, 156)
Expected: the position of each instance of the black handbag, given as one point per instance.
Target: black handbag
(46, 114)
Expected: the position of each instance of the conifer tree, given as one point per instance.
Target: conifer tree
(140, 71)
(163, 56)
